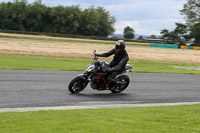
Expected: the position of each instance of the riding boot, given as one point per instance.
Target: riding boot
(112, 81)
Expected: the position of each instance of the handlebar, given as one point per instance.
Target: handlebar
(95, 57)
(94, 52)
(97, 63)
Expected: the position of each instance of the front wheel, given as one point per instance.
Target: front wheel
(77, 85)
(122, 83)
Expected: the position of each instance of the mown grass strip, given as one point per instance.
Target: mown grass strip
(57, 41)
(179, 119)
(72, 64)
(72, 42)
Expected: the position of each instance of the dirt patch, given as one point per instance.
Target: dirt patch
(83, 50)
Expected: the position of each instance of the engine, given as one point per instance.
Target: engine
(98, 84)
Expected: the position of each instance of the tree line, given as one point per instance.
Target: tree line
(188, 31)
(37, 17)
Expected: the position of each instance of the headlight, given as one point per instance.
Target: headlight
(89, 68)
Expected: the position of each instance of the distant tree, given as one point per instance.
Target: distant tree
(97, 22)
(39, 2)
(153, 37)
(129, 32)
(173, 37)
(165, 34)
(180, 28)
(195, 32)
(185, 32)
(140, 37)
(178, 35)
(191, 12)
(180, 31)
(168, 36)
(37, 17)
(106, 22)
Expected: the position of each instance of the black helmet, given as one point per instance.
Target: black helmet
(120, 45)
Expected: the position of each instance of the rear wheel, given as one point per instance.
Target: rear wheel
(77, 85)
(122, 83)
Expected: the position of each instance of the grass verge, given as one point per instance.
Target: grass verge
(72, 64)
(74, 42)
(179, 119)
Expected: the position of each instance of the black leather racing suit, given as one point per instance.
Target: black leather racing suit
(118, 63)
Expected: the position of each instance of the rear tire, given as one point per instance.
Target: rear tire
(77, 85)
(125, 80)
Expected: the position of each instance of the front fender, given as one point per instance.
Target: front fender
(82, 76)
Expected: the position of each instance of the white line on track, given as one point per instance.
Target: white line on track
(25, 109)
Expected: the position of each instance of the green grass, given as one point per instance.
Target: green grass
(72, 64)
(161, 67)
(176, 119)
(41, 63)
(164, 119)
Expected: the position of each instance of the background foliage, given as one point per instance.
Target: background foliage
(189, 31)
(129, 32)
(36, 17)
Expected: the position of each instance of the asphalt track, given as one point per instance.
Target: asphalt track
(36, 88)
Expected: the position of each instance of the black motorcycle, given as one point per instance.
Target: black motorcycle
(96, 75)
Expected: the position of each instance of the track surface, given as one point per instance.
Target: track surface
(35, 88)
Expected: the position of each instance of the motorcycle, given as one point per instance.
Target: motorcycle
(96, 75)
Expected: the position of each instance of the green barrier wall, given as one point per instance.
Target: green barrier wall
(190, 47)
(174, 46)
(164, 45)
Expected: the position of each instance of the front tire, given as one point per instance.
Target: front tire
(123, 82)
(77, 85)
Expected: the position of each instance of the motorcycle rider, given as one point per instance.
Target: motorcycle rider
(118, 63)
